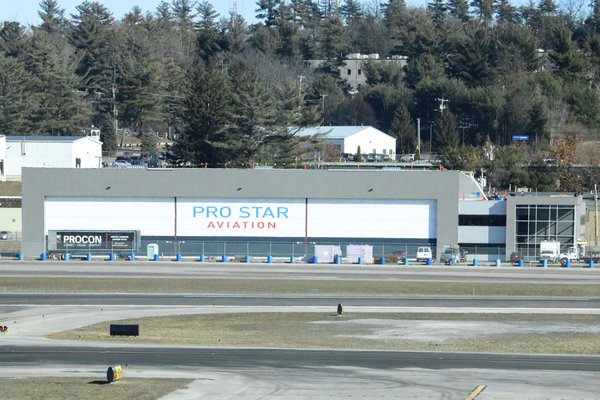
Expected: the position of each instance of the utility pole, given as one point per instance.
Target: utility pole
(300, 78)
(442, 103)
(234, 11)
(323, 107)
(419, 136)
(114, 101)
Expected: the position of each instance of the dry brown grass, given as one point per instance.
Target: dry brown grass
(297, 330)
(60, 388)
(10, 188)
(287, 286)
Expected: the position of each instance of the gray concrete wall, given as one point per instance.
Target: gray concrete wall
(441, 186)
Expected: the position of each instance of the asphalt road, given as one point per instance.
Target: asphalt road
(277, 358)
(432, 374)
(566, 303)
(198, 270)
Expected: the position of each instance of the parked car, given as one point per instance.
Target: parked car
(515, 257)
(453, 253)
(407, 158)
(399, 256)
(4, 235)
(424, 253)
(121, 164)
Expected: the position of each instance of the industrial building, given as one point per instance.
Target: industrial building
(50, 152)
(284, 213)
(348, 139)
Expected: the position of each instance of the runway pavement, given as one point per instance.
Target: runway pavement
(413, 272)
(304, 374)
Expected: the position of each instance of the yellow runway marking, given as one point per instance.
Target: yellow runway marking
(476, 392)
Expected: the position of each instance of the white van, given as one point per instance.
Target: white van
(424, 253)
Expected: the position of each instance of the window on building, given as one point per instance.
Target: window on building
(536, 223)
(481, 220)
(360, 72)
(349, 71)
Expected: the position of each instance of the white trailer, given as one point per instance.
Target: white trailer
(549, 250)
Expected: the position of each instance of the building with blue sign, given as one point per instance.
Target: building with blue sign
(255, 212)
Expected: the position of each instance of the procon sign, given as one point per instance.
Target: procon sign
(95, 240)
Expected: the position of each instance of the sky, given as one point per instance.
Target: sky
(26, 11)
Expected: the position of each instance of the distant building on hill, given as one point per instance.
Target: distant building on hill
(50, 152)
(373, 143)
(353, 69)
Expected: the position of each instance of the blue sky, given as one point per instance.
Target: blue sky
(26, 11)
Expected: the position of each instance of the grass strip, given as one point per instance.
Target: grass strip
(59, 388)
(330, 331)
(288, 286)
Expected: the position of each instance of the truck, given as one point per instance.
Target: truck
(549, 250)
(580, 253)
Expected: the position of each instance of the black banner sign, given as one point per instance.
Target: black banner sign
(96, 240)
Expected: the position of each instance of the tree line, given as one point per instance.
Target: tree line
(232, 93)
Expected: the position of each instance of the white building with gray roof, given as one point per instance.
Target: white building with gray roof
(51, 152)
(349, 138)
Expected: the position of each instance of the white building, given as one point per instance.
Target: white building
(50, 152)
(349, 138)
(353, 68)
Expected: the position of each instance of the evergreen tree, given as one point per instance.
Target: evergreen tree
(268, 11)
(205, 116)
(108, 136)
(473, 59)
(459, 9)
(183, 15)
(437, 10)
(235, 33)
(137, 85)
(403, 129)
(251, 118)
(15, 97)
(149, 143)
(59, 108)
(352, 11)
(446, 130)
(289, 35)
(567, 60)
(53, 17)
(13, 39)
(209, 39)
(593, 19)
(484, 10)
(93, 40)
(506, 13)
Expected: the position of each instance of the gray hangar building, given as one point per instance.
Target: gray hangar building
(284, 213)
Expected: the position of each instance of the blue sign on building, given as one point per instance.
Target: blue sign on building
(520, 138)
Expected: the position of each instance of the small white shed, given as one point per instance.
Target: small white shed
(51, 152)
(349, 138)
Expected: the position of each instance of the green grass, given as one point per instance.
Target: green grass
(34, 284)
(297, 330)
(64, 387)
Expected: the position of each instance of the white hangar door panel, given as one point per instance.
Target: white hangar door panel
(150, 216)
(372, 219)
